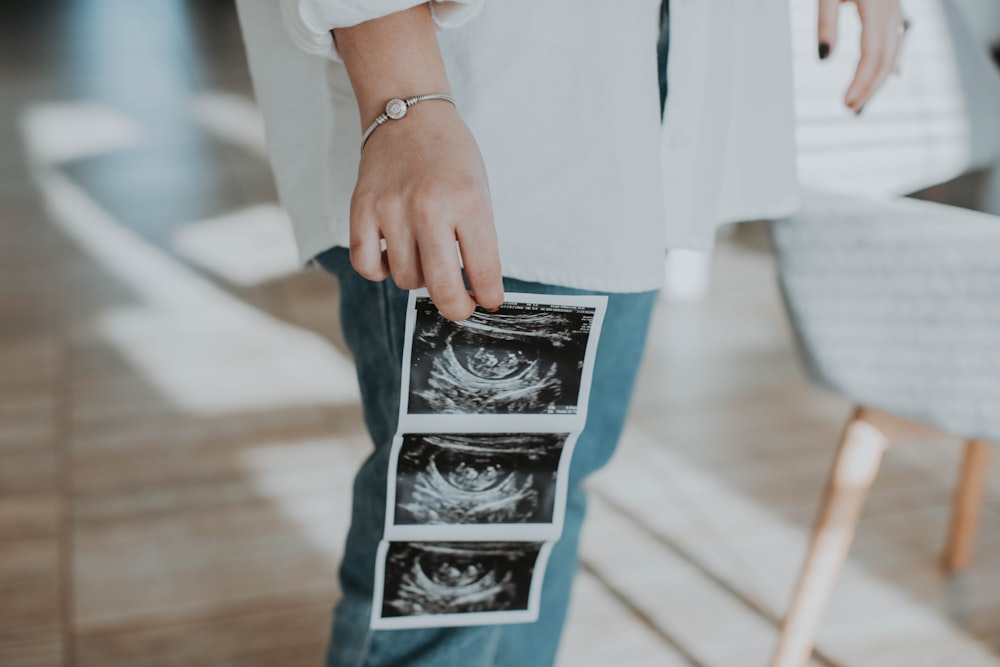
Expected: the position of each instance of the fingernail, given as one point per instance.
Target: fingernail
(824, 50)
(860, 109)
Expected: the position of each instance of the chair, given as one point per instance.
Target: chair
(896, 306)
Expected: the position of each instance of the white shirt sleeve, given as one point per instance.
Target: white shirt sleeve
(309, 22)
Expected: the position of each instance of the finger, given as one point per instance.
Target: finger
(404, 259)
(874, 60)
(366, 243)
(827, 32)
(478, 243)
(874, 82)
(443, 276)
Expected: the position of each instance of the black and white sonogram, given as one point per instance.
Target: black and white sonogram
(525, 358)
(477, 478)
(424, 578)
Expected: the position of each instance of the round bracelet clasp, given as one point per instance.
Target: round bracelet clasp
(395, 109)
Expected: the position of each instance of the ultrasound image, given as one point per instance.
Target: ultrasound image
(457, 577)
(477, 479)
(525, 358)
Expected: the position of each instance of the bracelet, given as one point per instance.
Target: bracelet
(396, 109)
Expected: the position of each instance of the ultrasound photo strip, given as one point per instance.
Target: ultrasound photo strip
(490, 411)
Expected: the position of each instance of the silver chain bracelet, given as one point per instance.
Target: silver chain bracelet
(396, 109)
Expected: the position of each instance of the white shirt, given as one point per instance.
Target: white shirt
(562, 98)
(728, 137)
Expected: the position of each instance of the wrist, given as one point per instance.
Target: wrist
(371, 105)
(397, 110)
(393, 56)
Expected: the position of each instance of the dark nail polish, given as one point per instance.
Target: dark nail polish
(824, 50)
(860, 109)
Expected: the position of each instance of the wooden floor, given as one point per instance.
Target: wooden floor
(179, 423)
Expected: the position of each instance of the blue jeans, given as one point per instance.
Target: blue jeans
(373, 315)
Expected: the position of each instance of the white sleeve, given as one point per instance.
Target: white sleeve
(309, 22)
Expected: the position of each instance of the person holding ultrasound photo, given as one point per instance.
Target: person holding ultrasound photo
(482, 147)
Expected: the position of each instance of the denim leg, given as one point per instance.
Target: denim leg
(373, 320)
(623, 338)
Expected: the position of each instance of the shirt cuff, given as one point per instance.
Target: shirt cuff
(309, 22)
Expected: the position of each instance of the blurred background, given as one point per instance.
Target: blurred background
(179, 420)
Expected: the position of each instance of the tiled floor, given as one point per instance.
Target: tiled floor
(179, 422)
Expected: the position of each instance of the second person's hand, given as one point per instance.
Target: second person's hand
(882, 31)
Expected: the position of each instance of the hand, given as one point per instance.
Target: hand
(882, 30)
(422, 186)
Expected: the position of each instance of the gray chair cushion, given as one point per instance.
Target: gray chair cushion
(896, 305)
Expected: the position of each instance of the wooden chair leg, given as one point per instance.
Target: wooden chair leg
(855, 466)
(966, 505)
